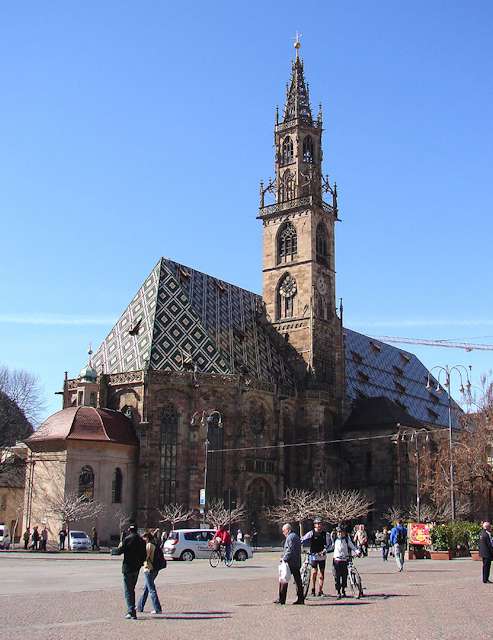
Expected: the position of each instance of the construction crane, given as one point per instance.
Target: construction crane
(467, 346)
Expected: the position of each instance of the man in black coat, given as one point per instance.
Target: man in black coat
(292, 556)
(133, 548)
(486, 550)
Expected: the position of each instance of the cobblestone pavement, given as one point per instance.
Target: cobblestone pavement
(81, 599)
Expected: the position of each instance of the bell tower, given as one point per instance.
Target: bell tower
(298, 238)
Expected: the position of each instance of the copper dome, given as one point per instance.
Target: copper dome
(84, 423)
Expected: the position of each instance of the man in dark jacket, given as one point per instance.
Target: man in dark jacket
(134, 555)
(292, 556)
(486, 550)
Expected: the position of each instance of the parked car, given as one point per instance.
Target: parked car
(187, 544)
(79, 541)
(4, 537)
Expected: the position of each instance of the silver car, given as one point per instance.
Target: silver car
(79, 541)
(187, 544)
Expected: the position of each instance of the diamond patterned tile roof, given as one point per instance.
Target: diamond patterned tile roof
(376, 369)
(179, 311)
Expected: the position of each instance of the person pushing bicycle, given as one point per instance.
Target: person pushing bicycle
(319, 540)
(342, 547)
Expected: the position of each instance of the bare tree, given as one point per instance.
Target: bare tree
(298, 505)
(395, 513)
(72, 507)
(23, 388)
(174, 513)
(218, 515)
(123, 519)
(344, 505)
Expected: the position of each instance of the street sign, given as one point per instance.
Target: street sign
(202, 498)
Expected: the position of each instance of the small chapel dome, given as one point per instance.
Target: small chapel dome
(88, 374)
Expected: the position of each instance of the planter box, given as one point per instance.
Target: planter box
(418, 553)
(442, 555)
(475, 555)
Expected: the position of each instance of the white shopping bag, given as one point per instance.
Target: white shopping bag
(284, 572)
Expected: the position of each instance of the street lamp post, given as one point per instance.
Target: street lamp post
(415, 435)
(447, 371)
(206, 419)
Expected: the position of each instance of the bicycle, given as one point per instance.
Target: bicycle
(219, 555)
(354, 579)
(305, 573)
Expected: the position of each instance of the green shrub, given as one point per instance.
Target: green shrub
(455, 534)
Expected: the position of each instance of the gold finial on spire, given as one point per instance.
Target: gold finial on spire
(297, 44)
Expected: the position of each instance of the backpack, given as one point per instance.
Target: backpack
(400, 538)
(159, 559)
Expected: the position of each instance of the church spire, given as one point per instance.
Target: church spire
(297, 98)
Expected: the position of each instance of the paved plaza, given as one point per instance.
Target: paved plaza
(80, 598)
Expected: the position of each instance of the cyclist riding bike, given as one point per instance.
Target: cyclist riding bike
(319, 540)
(223, 538)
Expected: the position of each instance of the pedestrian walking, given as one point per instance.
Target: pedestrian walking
(62, 534)
(486, 550)
(239, 536)
(383, 539)
(25, 537)
(134, 554)
(153, 563)
(254, 537)
(44, 539)
(292, 561)
(361, 539)
(342, 547)
(35, 539)
(164, 537)
(398, 539)
(94, 539)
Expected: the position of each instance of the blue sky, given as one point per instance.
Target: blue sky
(135, 130)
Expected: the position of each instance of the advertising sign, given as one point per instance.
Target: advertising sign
(419, 534)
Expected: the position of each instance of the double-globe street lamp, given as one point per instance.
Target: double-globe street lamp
(447, 372)
(208, 418)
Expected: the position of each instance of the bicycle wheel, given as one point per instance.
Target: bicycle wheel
(214, 558)
(306, 572)
(356, 586)
(352, 582)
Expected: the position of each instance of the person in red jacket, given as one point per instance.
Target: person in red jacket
(223, 534)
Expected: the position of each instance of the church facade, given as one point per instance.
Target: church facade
(195, 359)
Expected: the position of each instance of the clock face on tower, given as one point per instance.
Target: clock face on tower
(321, 285)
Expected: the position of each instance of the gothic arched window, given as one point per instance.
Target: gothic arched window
(287, 243)
(168, 444)
(116, 487)
(287, 150)
(287, 187)
(286, 292)
(86, 482)
(322, 244)
(308, 149)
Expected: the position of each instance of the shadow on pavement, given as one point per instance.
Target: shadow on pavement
(192, 615)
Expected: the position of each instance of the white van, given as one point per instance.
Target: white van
(4, 537)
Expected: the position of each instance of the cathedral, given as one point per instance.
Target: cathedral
(204, 385)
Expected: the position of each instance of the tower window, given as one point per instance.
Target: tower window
(116, 489)
(287, 187)
(308, 149)
(322, 244)
(169, 440)
(86, 483)
(287, 150)
(286, 293)
(287, 244)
